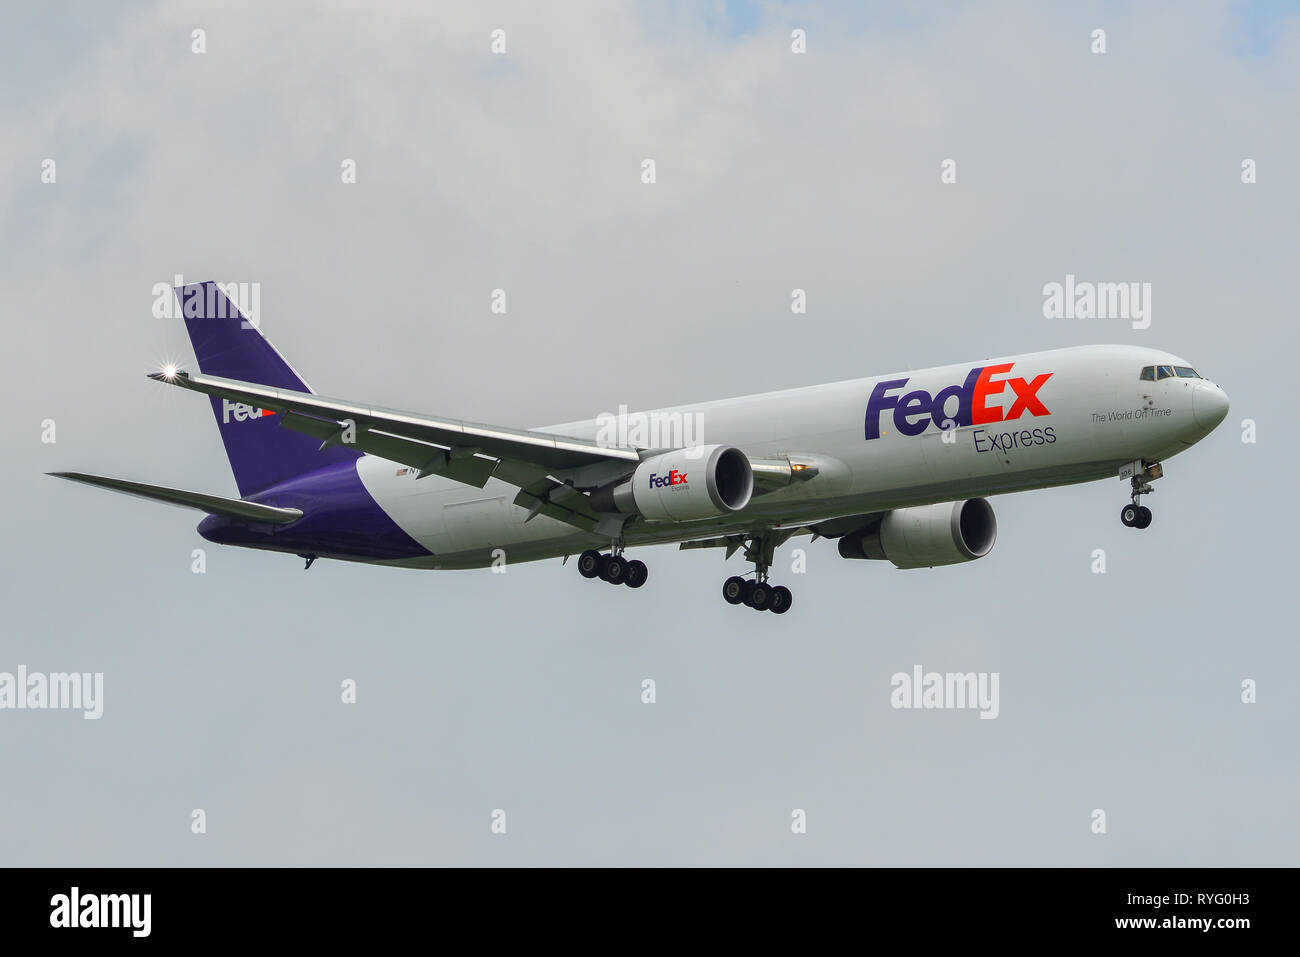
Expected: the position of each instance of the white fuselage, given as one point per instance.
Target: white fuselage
(1088, 418)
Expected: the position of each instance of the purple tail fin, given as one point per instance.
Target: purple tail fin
(226, 344)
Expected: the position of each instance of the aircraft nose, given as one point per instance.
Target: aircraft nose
(1209, 405)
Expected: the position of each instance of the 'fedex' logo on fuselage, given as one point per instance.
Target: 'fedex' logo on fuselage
(914, 411)
(672, 478)
(240, 411)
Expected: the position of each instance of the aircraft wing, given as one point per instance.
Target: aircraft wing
(464, 451)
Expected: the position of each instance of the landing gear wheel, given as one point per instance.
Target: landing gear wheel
(589, 563)
(733, 590)
(637, 573)
(1129, 515)
(781, 601)
(614, 570)
(757, 592)
(1143, 518)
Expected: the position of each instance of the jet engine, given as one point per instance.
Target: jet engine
(683, 485)
(927, 535)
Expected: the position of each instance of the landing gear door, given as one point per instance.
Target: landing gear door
(1130, 470)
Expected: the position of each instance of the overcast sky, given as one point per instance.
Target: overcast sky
(775, 171)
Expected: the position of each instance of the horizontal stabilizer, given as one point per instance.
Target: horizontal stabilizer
(212, 504)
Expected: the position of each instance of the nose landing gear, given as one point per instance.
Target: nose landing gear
(1140, 476)
(1135, 515)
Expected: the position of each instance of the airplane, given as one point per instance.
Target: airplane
(896, 468)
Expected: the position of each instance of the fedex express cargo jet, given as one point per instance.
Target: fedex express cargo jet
(895, 467)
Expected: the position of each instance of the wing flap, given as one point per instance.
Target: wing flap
(557, 500)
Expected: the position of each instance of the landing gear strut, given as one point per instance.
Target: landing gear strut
(1135, 514)
(613, 567)
(758, 593)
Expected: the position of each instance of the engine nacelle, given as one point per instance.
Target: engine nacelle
(683, 485)
(928, 535)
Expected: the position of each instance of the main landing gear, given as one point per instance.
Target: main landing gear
(613, 568)
(758, 593)
(1135, 514)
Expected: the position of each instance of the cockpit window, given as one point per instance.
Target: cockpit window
(1164, 372)
(1186, 372)
(1148, 374)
